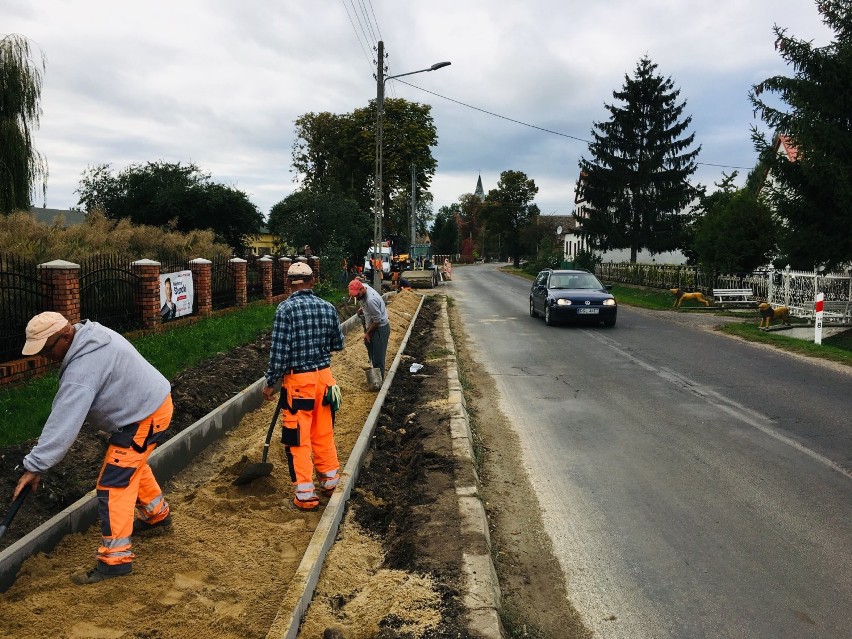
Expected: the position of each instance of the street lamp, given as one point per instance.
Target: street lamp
(380, 110)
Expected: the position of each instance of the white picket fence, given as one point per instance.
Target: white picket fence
(794, 289)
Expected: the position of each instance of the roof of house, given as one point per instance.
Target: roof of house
(49, 215)
(567, 222)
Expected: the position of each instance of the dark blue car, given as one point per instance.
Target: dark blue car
(572, 296)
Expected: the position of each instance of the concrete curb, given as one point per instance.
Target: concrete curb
(482, 589)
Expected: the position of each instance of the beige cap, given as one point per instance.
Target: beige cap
(40, 328)
(298, 271)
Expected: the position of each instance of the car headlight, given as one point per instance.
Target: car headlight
(561, 302)
(609, 302)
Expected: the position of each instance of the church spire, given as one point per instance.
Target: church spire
(479, 192)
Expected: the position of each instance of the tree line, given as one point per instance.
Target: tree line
(634, 179)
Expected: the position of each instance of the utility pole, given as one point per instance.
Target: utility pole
(413, 212)
(380, 108)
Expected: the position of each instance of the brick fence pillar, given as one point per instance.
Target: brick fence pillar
(148, 293)
(202, 278)
(239, 266)
(61, 284)
(266, 277)
(285, 266)
(314, 263)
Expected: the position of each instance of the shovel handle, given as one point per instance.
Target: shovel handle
(13, 510)
(269, 432)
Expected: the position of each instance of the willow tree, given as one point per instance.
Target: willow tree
(23, 170)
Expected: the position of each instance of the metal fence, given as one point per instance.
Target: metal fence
(277, 277)
(254, 279)
(223, 291)
(22, 295)
(109, 293)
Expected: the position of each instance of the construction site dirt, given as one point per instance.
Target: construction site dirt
(394, 570)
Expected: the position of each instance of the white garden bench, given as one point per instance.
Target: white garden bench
(734, 297)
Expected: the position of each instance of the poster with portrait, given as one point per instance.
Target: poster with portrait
(176, 295)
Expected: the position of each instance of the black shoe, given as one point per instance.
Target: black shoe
(143, 529)
(96, 575)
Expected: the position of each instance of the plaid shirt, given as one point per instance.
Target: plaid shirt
(304, 332)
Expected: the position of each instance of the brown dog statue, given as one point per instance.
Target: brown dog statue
(767, 314)
(680, 296)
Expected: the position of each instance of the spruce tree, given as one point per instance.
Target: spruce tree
(635, 184)
(811, 195)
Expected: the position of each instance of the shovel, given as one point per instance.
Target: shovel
(13, 510)
(263, 469)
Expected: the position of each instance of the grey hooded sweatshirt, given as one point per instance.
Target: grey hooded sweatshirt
(102, 380)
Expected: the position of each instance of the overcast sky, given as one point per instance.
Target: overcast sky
(220, 83)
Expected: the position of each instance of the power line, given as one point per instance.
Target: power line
(533, 126)
(357, 35)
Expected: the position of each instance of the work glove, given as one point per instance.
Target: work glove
(334, 397)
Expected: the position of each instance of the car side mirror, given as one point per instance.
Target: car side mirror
(608, 287)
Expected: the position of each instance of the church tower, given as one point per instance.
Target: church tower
(479, 192)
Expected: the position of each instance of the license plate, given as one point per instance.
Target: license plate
(587, 311)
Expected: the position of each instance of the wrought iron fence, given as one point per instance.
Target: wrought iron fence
(22, 295)
(109, 293)
(254, 279)
(277, 277)
(223, 291)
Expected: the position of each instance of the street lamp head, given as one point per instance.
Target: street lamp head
(439, 65)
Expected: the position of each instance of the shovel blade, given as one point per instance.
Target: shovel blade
(252, 472)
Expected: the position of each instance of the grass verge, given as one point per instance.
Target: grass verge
(25, 408)
(837, 348)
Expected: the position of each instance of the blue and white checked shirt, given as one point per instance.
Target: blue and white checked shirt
(304, 332)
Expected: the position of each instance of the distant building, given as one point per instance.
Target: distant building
(479, 192)
(263, 243)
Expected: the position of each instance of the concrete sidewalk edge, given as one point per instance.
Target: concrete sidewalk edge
(482, 588)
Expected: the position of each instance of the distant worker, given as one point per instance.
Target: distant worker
(402, 284)
(307, 252)
(376, 324)
(104, 381)
(305, 331)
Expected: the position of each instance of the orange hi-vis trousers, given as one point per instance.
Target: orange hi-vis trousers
(308, 432)
(126, 483)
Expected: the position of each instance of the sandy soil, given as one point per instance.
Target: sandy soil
(223, 569)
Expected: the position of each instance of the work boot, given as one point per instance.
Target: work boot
(307, 506)
(100, 573)
(144, 529)
(327, 492)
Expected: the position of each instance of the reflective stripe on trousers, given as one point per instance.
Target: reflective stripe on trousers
(316, 436)
(126, 484)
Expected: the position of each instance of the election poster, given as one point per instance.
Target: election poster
(176, 295)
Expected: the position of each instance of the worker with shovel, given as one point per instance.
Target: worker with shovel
(377, 328)
(305, 331)
(104, 381)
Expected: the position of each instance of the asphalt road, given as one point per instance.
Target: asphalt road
(693, 485)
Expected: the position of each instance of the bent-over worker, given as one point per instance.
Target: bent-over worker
(376, 324)
(104, 381)
(305, 331)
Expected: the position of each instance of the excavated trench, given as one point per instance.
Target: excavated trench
(233, 550)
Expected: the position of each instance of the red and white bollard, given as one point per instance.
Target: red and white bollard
(818, 309)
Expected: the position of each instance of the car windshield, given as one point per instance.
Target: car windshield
(579, 280)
